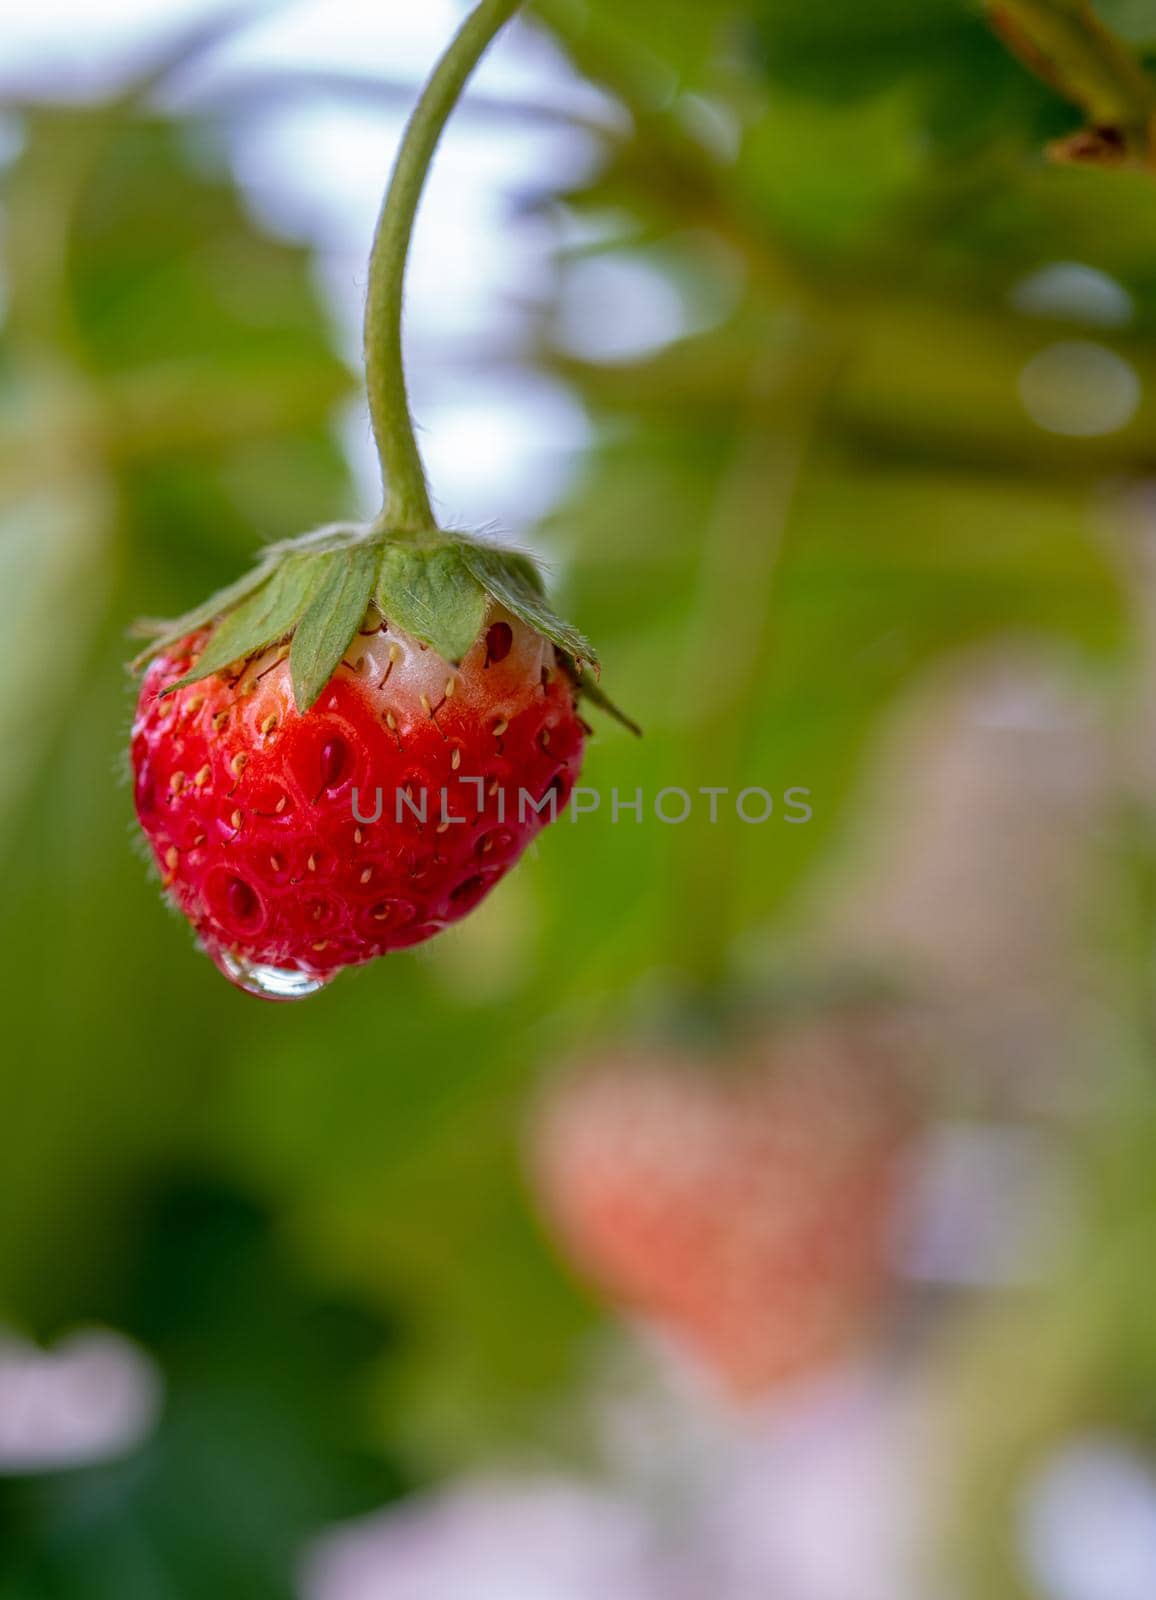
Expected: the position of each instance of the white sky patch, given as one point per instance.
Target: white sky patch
(619, 308)
(314, 168)
(316, 173)
(478, 454)
(63, 45)
(485, 464)
(399, 40)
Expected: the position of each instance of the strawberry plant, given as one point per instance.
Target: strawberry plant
(815, 479)
(460, 673)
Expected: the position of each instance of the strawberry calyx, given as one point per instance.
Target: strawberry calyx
(314, 592)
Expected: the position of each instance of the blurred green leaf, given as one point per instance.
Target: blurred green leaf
(1134, 20)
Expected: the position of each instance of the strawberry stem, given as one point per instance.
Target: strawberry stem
(407, 504)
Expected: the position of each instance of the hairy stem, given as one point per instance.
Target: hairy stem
(407, 504)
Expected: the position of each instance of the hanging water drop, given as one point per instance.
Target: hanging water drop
(268, 982)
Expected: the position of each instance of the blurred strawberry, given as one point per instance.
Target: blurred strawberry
(746, 1209)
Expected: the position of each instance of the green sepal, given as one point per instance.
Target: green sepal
(334, 615)
(332, 537)
(326, 540)
(587, 689)
(432, 595)
(316, 590)
(513, 580)
(267, 616)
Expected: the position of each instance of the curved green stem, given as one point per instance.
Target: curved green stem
(407, 504)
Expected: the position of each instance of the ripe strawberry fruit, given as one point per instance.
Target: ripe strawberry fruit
(278, 726)
(746, 1210)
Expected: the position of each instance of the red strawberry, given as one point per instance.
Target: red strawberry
(746, 1210)
(306, 829)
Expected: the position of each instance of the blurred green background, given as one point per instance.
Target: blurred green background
(862, 396)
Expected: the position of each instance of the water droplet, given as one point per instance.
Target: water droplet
(269, 983)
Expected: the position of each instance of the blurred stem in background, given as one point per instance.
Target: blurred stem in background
(729, 639)
(407, 505)
(1066, 44)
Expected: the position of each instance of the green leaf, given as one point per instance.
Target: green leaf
(432, 595)
(514, 582)
(262, 619)
(333, 617)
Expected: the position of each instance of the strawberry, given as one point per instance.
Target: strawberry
(343, 755)
(744, 1210)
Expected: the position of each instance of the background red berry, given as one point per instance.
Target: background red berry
(745, 1209)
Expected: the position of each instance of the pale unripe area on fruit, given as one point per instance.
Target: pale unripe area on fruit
(745, 1207)
(280, 835)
